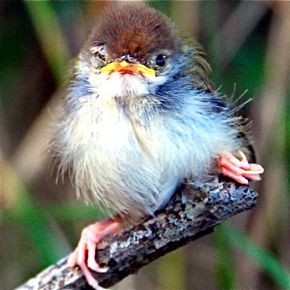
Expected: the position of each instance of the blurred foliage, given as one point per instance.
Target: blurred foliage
(50, 35)
(266, 260)
(225, 263)
(37, 39)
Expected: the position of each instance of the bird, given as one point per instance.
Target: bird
(140, 116)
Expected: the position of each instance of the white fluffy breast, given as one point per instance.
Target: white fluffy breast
(133, 167)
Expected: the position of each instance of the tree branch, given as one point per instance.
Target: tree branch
(193, 212)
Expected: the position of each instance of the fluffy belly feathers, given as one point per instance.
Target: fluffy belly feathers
(124, 165)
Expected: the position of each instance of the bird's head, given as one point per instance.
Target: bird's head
(133, 50)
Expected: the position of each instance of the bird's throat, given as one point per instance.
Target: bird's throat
(116, 85)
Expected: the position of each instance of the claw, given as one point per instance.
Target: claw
(84, 255)
(243, 157)
(239, 169)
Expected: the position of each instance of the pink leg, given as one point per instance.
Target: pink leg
(239, 169)
(84, 255)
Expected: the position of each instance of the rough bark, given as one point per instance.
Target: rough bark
(193, 212)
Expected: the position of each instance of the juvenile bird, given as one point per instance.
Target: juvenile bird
(140, 117)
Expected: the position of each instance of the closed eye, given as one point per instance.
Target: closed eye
(99, 52)
(101, 56)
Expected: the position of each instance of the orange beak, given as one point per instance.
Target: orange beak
(124, 67)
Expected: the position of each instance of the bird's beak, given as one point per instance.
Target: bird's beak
(124, 67)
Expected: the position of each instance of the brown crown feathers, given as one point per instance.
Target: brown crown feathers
(134, 29)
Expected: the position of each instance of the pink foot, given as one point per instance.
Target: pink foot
(84, 255)
(239, 170)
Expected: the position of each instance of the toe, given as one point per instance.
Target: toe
(253, 177)
(82, 251)
(72, 259)
(237, 177)
(84, 254)
(89, 277)
(229, 159)
(256, 168)
(92, 264)
(229, 166)
(239, 170)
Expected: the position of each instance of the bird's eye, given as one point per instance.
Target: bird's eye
(160, 60)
